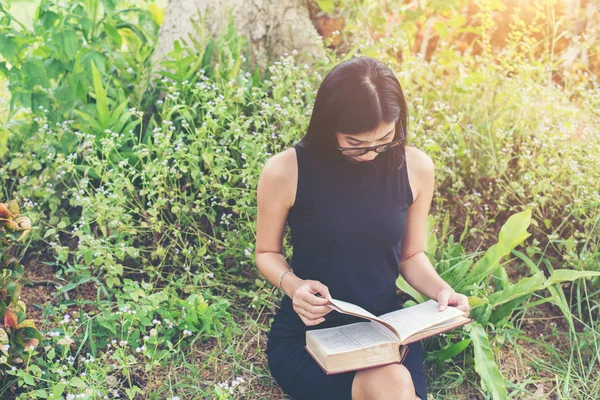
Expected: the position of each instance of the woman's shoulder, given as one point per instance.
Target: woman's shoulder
(420, 168)
(280, 174)
(282, 164)
(417, 160)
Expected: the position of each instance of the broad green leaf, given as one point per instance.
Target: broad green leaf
(566, 275)
(512, 233)
(58, 390)
(88, 256)
(485, 365)
(68, 43)
(77, 382)
(475, 301)
(9, 48)
(326, 5)
(448, 352)
(28, 379)
(406, 288)
(523, 287)
(113, 33)
(50, 232)
(34, 73)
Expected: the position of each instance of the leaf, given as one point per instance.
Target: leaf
(326, 5)
(9, 49)
(34, 73)
(512, 233)
(11, 320)
(157, 13)
(430, 240)
(406, 288)
(88, 256)
(475, 301)
(58, 390)
(449, 351)
(68, 43)
(113, 33)
(101, 99)
(28, 323)
(523, 287)
(91, 121)
(485, 365)
(13, 207)
(77, 382)
(28, 379)
(567, 275)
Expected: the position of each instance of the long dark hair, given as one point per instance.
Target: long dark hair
(355, 97)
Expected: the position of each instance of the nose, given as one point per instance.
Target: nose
(368, 156)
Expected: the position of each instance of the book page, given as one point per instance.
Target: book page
(349, 308)
(352, 309)
(411, 320)
(341, 339)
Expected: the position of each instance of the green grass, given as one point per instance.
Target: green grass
(143, 205)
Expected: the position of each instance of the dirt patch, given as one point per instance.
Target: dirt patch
(38, 291)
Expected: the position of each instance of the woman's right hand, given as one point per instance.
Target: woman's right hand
(311, 308)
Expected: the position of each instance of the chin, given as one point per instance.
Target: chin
(359, 160)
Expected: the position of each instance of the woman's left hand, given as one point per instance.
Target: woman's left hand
(448, 297)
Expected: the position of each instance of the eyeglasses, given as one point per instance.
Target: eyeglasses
(359, 151)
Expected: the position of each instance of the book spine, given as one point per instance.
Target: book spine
(356, 369)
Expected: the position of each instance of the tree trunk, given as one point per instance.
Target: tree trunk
(272, 27)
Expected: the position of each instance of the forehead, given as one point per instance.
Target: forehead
(379, 132)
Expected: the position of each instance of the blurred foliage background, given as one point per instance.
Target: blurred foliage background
(139, 181)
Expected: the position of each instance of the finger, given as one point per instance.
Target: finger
(316, 310)
(466, 303)
(307, 315)
(308, 322)
(318, 287)
(303, 297)
(454, 301)
(443, 300)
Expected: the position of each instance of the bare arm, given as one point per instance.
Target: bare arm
(415, 267)
(274, 198)
(276, 193)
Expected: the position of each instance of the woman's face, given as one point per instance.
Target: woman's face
(384, 133)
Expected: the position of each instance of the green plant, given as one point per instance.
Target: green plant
(109, 348)
(491, 296)
(18, 335)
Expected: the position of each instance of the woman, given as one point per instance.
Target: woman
(356, 200)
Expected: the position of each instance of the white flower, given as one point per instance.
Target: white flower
(66, 341)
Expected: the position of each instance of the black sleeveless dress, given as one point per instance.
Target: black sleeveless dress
(347, 225)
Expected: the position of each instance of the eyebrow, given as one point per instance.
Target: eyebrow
(362, 141)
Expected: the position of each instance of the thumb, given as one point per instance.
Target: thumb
(443, 297)
(317, 286)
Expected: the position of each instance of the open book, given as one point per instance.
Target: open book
(380, 341)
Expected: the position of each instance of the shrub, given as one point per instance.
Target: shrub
(18, 335)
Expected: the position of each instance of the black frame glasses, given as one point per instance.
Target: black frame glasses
(359, 151)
